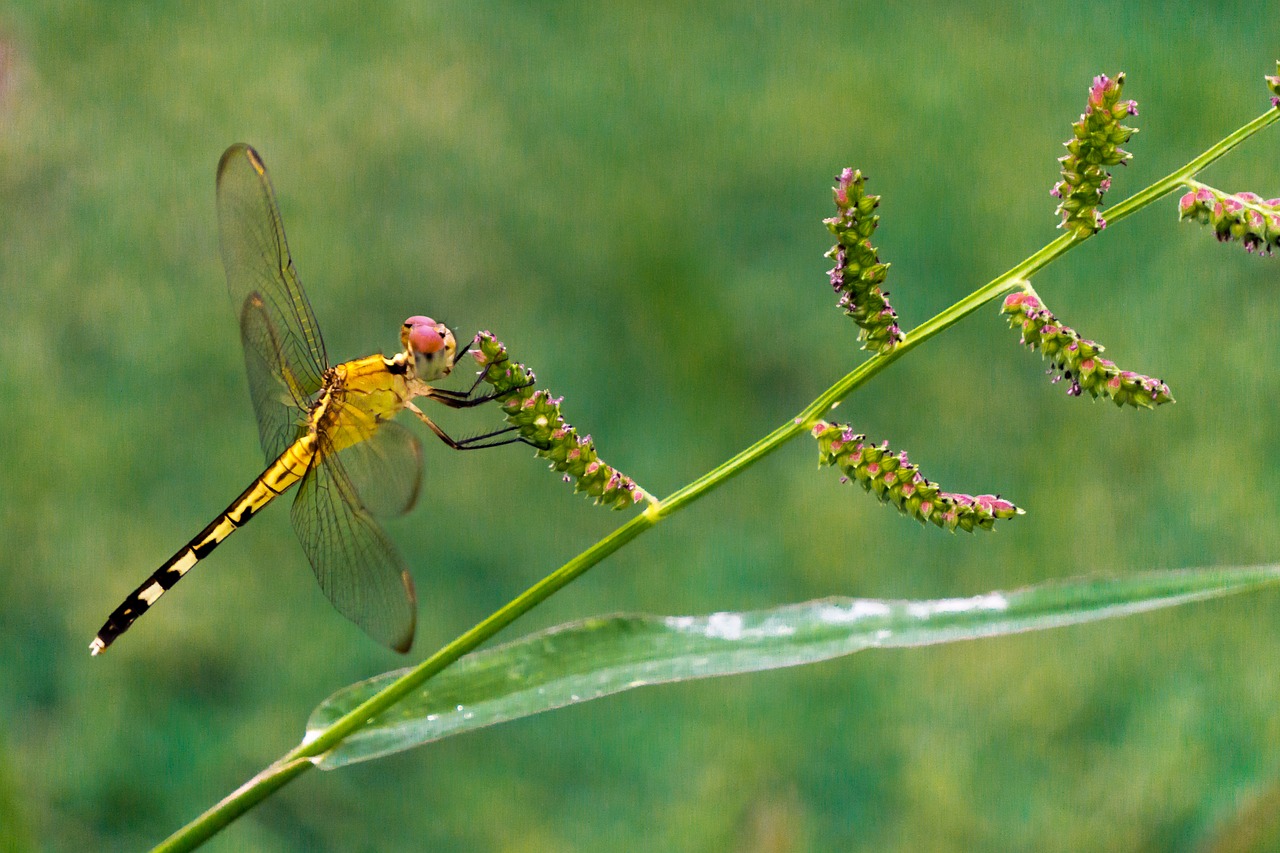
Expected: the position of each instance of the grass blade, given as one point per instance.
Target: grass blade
(600, 656)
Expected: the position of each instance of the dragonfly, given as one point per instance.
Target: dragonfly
(326, 429)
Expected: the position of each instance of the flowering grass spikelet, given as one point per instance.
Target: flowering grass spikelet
(895, 480)
(1242, 217)
(1095, 142)
(858, 274)
(1076, 359)
(536, 416)
(1273, 83)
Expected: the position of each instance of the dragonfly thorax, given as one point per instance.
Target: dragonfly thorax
(432, 346)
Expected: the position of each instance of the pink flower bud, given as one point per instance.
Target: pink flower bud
(536, 416)
(894, 480)
(1095, 142)
(858, 274)
(1243, 217)
(1077, 359)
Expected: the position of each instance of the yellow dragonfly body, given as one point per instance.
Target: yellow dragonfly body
(326, 429)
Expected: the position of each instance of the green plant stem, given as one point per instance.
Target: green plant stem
(301, 757)
(233, 805)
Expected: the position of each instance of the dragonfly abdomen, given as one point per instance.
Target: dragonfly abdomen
(273, 482)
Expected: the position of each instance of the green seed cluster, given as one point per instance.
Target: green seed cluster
(858, 273)
(895, 480)
(536, 416)
(1078, 360)
(1243, 217)
(1095, 145)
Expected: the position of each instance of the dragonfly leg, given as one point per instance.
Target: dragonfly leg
(471, 443)
(442, 393)
(464, 400)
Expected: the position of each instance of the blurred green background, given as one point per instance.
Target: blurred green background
(631, 197)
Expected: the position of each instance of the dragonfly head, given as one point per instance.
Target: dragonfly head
(432, 346)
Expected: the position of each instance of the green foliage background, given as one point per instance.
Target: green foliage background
(630, 196)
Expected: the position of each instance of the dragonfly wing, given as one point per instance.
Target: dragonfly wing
(280, 419)
(357, 566)
(286, 349)
(386, 469)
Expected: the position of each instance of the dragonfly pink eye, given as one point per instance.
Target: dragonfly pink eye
(423, 336)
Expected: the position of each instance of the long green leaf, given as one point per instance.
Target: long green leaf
(585, 660)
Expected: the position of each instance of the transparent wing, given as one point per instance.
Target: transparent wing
(280, 420)
(386, 469)
(357, 566)
(260, 270)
